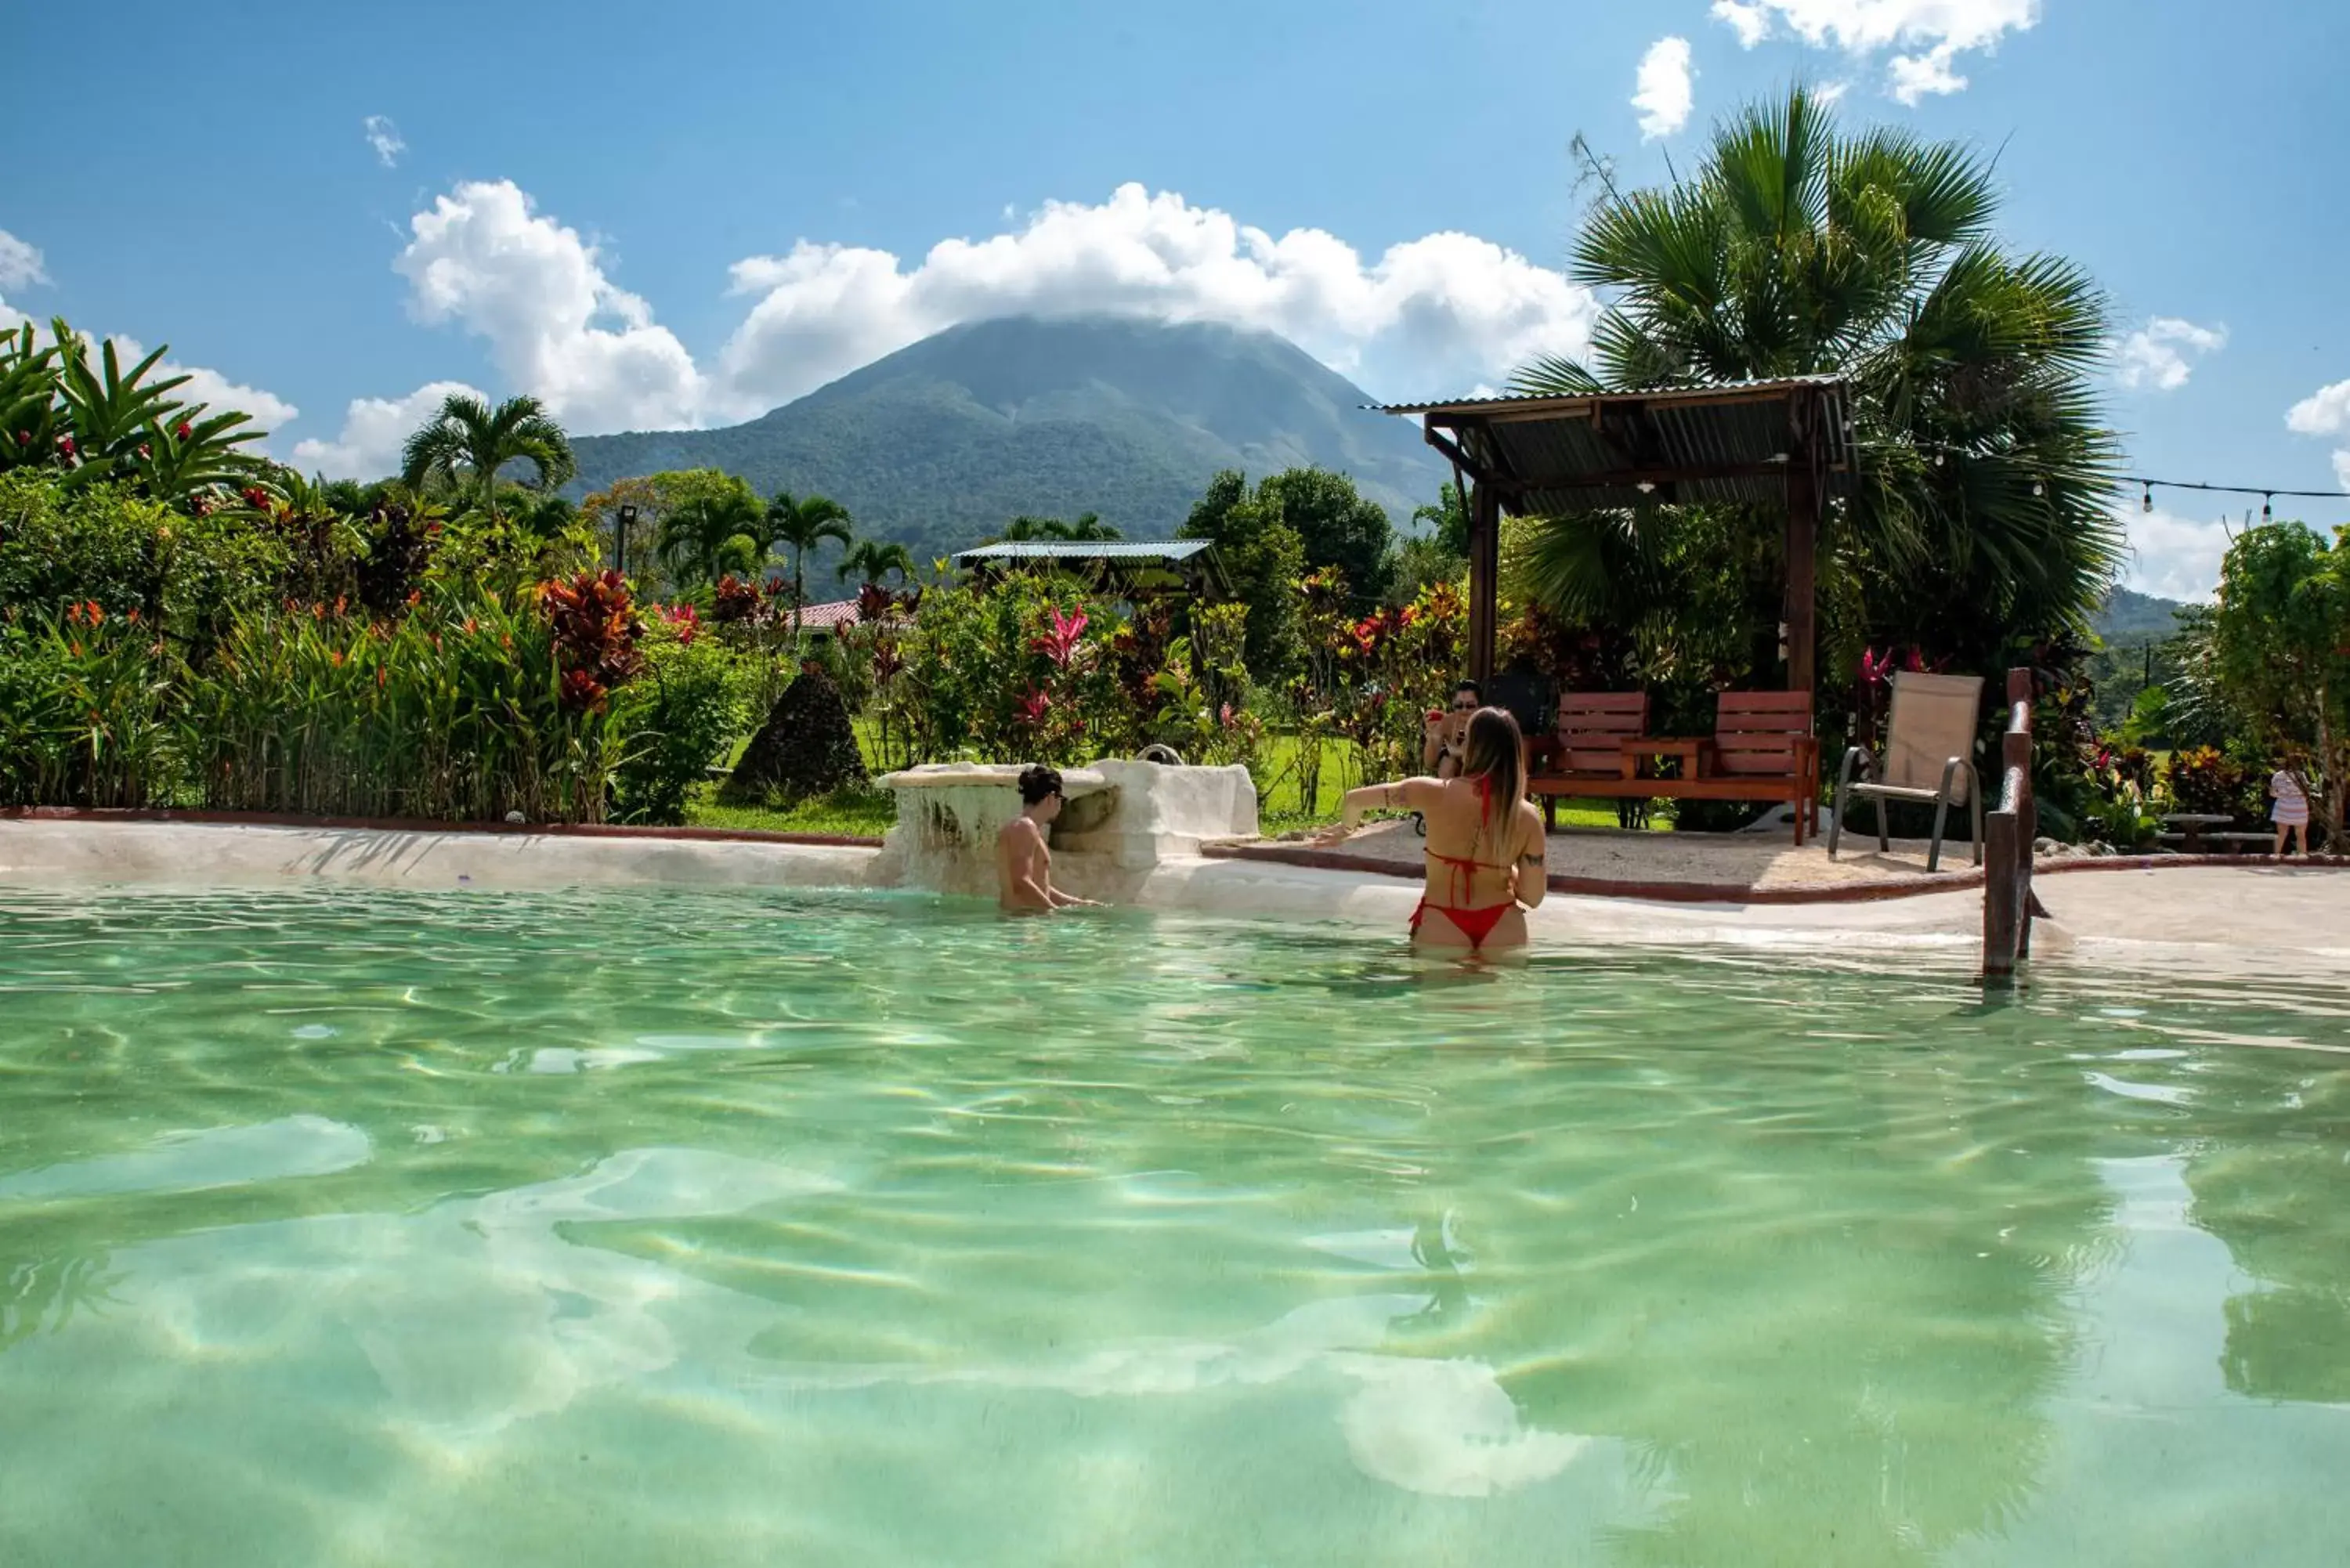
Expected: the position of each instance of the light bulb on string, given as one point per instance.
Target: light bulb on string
(2264, 509)
(2146, 503)
(2038, 488)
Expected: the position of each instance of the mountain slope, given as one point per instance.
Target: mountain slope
(2134, 617)
(940, 443)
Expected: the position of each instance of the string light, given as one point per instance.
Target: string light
(2038, 488)
(2146, 504)
(2264, 508)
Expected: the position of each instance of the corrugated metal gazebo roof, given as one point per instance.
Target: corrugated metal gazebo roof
(1132, 565)
(1728, 441)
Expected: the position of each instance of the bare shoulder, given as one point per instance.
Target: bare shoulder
(1019, 830)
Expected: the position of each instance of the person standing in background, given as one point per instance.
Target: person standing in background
(2291, 812)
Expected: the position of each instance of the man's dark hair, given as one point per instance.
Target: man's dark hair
(1038, 782)
(1472, 687)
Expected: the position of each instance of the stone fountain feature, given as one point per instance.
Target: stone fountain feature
(1120, 820)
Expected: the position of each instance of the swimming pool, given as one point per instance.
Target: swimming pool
(343, 1227)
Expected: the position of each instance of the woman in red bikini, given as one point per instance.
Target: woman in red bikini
(1485, 845)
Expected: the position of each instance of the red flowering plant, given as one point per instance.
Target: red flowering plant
(975, 657)
(596, 632)
(734, 601)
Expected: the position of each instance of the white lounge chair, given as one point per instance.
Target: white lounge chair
(1928, 758)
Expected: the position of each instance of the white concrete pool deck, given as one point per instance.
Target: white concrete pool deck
(2258, 917)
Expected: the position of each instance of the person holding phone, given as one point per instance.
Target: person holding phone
(1444, 738)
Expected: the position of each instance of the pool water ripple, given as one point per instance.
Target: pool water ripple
(343, 1227)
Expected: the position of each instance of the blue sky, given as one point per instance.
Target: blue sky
(652, 215)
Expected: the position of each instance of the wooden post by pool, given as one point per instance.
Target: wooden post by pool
(1484, 575)
(1803, 549)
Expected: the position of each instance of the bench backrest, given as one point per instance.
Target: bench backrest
(1755, 733)
(1590, 725)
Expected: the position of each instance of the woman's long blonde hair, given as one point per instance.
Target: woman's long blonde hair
(1496, 752)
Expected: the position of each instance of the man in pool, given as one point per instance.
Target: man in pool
(1024, 866)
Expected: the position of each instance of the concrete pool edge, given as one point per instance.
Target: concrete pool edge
(2211, 918)
(1304, 856)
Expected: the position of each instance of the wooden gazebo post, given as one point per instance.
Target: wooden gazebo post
(1802, 546)
(1484, 575)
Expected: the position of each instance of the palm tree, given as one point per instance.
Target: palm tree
(1984, 509)
(803, 524)
(713, 533)
(468, 442)
(871, 560)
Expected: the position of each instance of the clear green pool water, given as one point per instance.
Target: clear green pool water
(665, 1227)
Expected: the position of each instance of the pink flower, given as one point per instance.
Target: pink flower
(1875, 668)
(1060, 644)
(1033, 706)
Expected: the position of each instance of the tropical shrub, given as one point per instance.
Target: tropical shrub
(468, 708)
(62, 546)
(84, 720)
(1022, 669)
(2279, 645)
(678, 716)
(2205, 780)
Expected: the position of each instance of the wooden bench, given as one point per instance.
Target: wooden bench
(1762, 748)
(2193, 843)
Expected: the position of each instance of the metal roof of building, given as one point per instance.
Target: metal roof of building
(1731, 442)
(828, 616)
(1085, 550)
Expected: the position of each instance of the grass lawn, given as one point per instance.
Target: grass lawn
(868, 813)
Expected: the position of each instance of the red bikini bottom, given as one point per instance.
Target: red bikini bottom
(1475, 924)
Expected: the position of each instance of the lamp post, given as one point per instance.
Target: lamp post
(620, 538)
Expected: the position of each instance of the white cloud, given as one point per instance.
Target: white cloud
(384, 137)
(2325, 412)
(1662, 89)
(2156, 355)
(557, 326)
(1834, 91)
(2172, 556)
(374, 430)
(1440, 312)
(20, 264)
(216, 391)
(1429, 316)
(1930, 35)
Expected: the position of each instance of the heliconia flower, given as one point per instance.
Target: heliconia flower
(471, 626)
(183, 430)
(1875, 667)
(257, 498)
(415, 597)
(65, 448)
(341, 604)
(381, 676)
(336, 656)
(23, 438)
(146, 450)
(132, 616)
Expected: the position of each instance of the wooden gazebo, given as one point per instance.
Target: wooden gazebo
(1779, 444)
